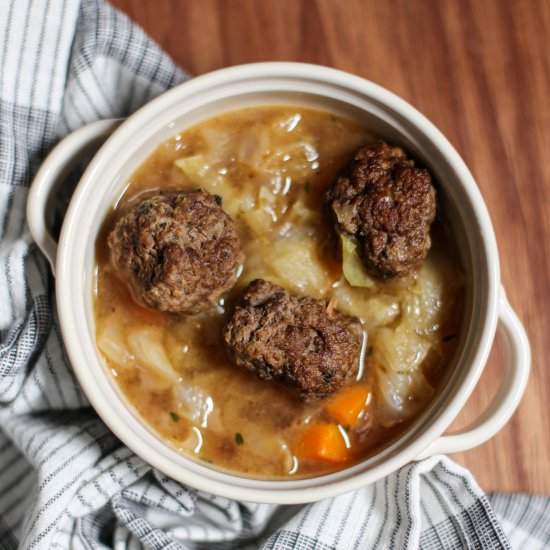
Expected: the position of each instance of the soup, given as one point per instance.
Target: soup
(271, 167)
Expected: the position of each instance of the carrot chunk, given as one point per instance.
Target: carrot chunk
(323, 442)
(345, 406)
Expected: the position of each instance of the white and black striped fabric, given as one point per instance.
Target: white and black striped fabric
(65, 480)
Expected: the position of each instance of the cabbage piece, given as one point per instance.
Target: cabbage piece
(247, 200)
(208, 178)
(282, 151)
(398, 357)
(352, 266)
(193, 442)
(400, 350)
(146, 345)
(296, 160)
(194, 167)
(261, 218)
(197, 406)
(424, 303)
(430, 302)
(295, 262)
(248, 149)
(258, 221)
(299, 221)
(345, 213)
(291, 262)
(401, 394)
(266, 197)
(268, 447)
(306, 218)
(218, 143)
(374, 310)
(112, 343)
(290, 123)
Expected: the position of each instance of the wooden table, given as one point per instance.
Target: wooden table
(480, 70)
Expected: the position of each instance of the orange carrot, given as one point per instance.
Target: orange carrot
(323, 442)
(345, 406)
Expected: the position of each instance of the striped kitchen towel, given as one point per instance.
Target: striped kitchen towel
(65, 480)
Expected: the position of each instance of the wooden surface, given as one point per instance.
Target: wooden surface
(480, 70)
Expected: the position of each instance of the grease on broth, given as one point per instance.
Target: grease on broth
(271, 166)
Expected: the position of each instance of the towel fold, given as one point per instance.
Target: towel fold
(65, 480)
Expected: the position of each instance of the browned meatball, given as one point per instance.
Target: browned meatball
(389, 205)
(179, 250)
(294, 339)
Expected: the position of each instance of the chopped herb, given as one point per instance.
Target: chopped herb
(175, 417)
(347, 427)
(239, 439)
(369, 351)
(449, 337)
(306, 186)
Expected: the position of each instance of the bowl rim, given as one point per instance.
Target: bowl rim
(234, 486)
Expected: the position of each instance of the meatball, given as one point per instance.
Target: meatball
(179, 250)
(388, 204)
(297, 340)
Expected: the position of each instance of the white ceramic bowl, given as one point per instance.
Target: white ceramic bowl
(278, 83)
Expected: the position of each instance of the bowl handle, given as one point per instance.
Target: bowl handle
(63, 158)
(517, 365)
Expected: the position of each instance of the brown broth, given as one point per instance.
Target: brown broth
(247, 425)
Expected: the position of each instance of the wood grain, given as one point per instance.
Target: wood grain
(481, 72)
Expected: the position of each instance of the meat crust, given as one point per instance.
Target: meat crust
(388, 204)
(294, 339)
(179, 251)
